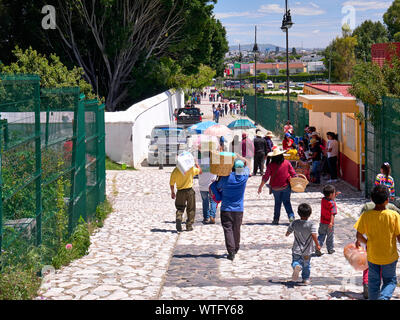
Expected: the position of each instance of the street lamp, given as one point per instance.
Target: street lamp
(286, 25)
(255, 50)
(240, 73)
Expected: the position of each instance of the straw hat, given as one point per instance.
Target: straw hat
(269, 134)
(276, 152)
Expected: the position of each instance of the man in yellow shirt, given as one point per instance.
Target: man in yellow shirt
(185, 197)
(382, 228)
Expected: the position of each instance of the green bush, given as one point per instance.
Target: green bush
(18, 283)
(80, 241)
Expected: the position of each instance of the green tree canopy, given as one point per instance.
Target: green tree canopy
(367, 34)
(53, 73)
(342, 52)
(392, 20)
(371, 82)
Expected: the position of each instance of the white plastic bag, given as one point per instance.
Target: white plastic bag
(185, 162)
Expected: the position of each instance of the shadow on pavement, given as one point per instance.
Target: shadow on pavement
(163, 230)
(348, 294)
(205, 255)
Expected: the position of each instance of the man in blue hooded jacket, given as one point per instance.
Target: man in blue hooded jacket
(232, 190)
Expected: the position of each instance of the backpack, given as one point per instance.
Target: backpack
(215, 194)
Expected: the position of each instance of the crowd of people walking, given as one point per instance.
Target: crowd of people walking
(378, 227)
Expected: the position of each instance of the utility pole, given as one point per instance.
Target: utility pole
(286, 25)
(255, 50)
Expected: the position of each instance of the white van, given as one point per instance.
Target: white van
(270, 85)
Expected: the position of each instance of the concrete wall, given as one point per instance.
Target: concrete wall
(126, 131)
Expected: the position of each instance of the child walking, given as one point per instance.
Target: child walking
(382, 228)
(305, 235)
(328, 212)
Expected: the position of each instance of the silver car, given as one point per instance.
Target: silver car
(166, 143)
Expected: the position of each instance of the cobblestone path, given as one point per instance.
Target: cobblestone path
(139, 255)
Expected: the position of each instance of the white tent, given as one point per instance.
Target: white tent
(126, 131)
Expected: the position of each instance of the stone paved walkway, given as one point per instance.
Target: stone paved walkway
(139, 255)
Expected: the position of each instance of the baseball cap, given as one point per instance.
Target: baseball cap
(239, 164)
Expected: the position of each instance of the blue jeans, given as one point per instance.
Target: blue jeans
(209, 205)
(304, 263)
(315, 171)
(375, 291)
(280, 197)
(325, 232)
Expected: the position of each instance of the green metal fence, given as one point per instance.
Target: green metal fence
(52, 165)
(273, 114)
(382, 140)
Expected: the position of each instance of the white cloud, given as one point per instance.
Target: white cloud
(314, 5)
(300, 11)
(224, 15)
(271, 8)
(316, 31)
(362, 5)
(304, 11)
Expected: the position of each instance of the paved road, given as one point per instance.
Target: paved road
(139, 255)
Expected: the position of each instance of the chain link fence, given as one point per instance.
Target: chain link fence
(382, 140)
(272, 114)
(52, 162)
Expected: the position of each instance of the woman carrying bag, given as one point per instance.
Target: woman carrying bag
(279, 172)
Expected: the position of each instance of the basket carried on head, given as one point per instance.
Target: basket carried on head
(299, 183)
(222, 163)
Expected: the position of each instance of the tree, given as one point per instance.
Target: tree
(262, 76)
(342, 53)
(367, 34)
(294, 51)
(53, 73)
(371, 82)
(392, 21)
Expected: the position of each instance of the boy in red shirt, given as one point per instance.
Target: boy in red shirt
(328, 212)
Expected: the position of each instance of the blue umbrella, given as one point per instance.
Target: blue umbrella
(201, 126)
(241, 124)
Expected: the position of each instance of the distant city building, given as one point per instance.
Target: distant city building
(311, 58)
(273, 69)
(277, 50)
(381, 52)
(315, 67)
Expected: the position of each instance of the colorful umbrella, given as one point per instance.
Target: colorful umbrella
(218, 130)
(241, 124)
(201, 126)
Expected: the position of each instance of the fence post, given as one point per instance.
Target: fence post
(38, 155)
(366, 150)
(101, 153)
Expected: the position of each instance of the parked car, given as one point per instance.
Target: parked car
(166, 143)
(282, 86)
(270, 84)
(292, 85)
(300, 85)
(188, 116)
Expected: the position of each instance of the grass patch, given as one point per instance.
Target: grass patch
(111, 165)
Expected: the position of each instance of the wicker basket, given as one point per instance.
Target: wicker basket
(221, 164)
(299, 183)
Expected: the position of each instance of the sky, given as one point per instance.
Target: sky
(316, 22)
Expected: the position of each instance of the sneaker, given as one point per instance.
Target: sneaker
(305, 282)
(231, 256)
(189, 228)
(212, 220)
(276, 222)
(296, 271)
(291, 219)
(365, 291)
(331, 251)
(318, 253)
(206, 221)
(179, 226)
